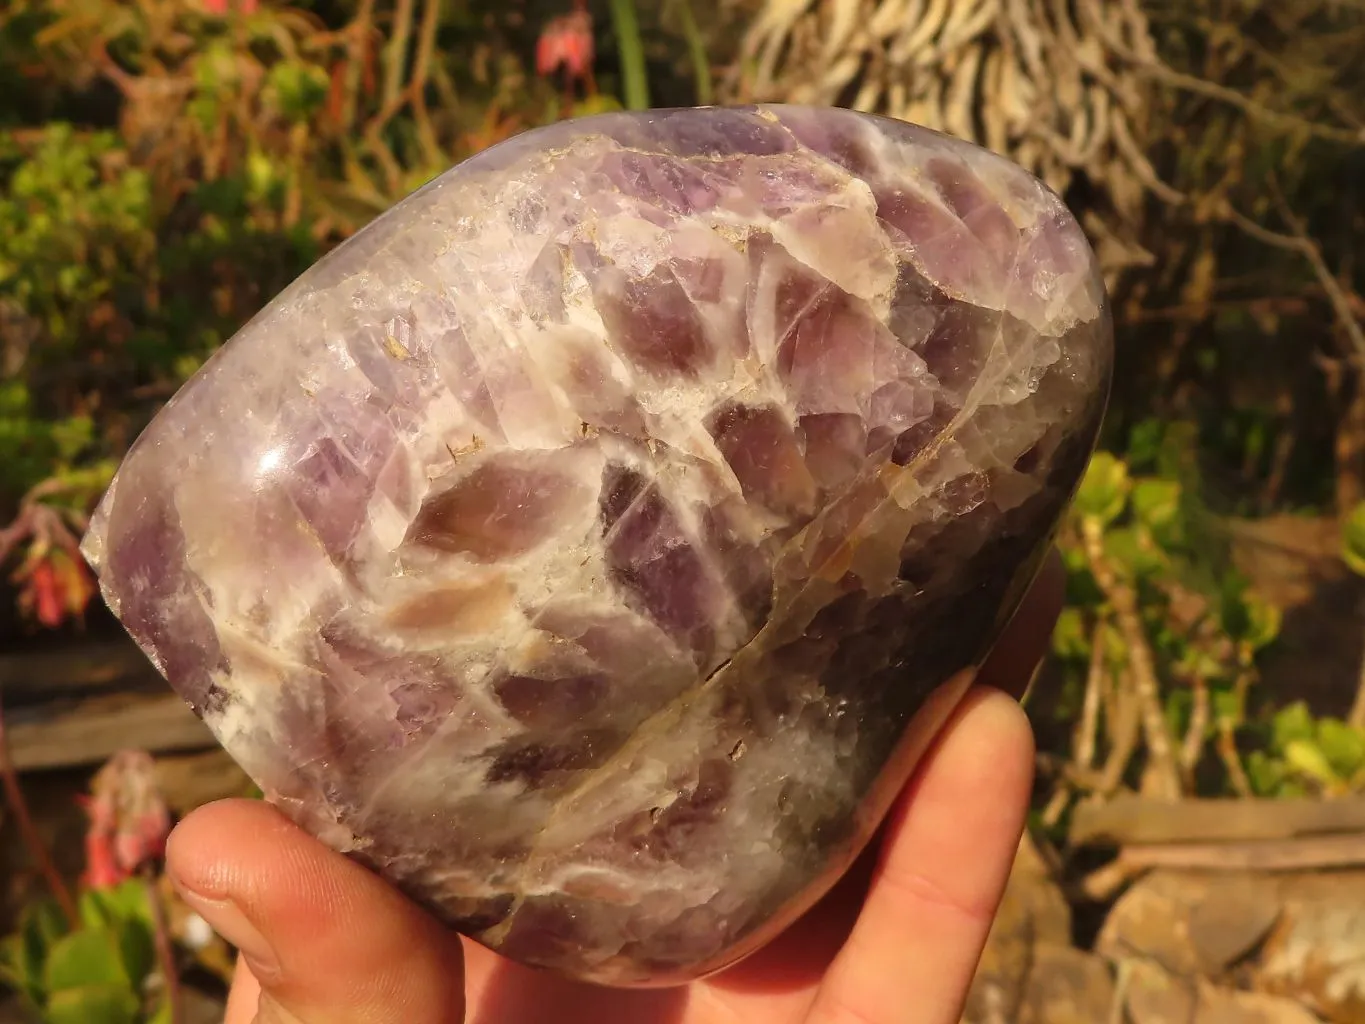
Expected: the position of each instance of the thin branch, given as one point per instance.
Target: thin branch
(1124, 729)
(1192, 748)
(359, 32)
(1087, 728)
(1357, 716)
(1119, 1004)
(1299, 241)
(1155, 69)
(1227, 730)
(1103, 886)
(1056, 805)
(1232, 760)
(37, 849)
(396, 55)
(165, 952)
(426, 47)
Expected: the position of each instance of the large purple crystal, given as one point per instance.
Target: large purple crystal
(580, 545)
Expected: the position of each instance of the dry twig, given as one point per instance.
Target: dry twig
(1124, 731)
(165, 950)
(1299, 241)
(1192, 748)
(1087, 729)
(33, 841)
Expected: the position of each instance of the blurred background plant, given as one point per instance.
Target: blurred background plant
(104, 955)
(166, 166)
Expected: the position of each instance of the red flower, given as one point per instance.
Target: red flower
(221, 8)
(101, 866)
(566, 42)
(46, 593)
(129, 821)
(55, 585)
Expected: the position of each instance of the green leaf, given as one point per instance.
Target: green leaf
(96, 909)
(45, 923)
(1103, 492)
(18, 971)
(1267, 775)
(137, 946)
(1289, 724)
(1069, 638)
(1198, 661)
(1226, 704)
(1156, 502)
(72, 436)
(93, 1004)
(124, 913)
(24, 954)
(1263, 621)
(1307, 758)
(1342, 745)
(88, 957)
(1353, 540)
(14, 399)
(1132, 552)
(297, 89)
(1176, 710)
(264, 179)
(128, 901)
(599, 104)
(1144, 441)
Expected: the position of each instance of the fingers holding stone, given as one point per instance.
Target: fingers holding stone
(327, 941)
(949, 845)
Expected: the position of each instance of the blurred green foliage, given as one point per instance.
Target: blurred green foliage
(1307, 756)
(96, 973)
(75, 240)
(1159, 633)
(1158, 648)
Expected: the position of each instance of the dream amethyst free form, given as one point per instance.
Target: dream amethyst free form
(579, 544)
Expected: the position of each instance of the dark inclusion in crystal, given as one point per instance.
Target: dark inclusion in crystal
(581, 543)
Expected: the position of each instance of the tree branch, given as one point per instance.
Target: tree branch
(1299, 241)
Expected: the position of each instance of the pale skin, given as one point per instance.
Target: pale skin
(324, 941)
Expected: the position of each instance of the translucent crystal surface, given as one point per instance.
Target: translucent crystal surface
(581, 543)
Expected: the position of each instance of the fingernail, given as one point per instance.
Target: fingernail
(227, 919)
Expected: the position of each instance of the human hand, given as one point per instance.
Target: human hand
(325, 941)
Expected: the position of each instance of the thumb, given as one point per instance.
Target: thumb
(327, 940)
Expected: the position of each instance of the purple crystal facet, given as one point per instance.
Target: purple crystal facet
(580, 545)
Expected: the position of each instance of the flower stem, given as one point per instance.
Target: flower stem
(37, 849)
(165, 952)
(696, 49)
(634, 82)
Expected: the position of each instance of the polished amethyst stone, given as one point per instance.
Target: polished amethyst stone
(581, 544)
